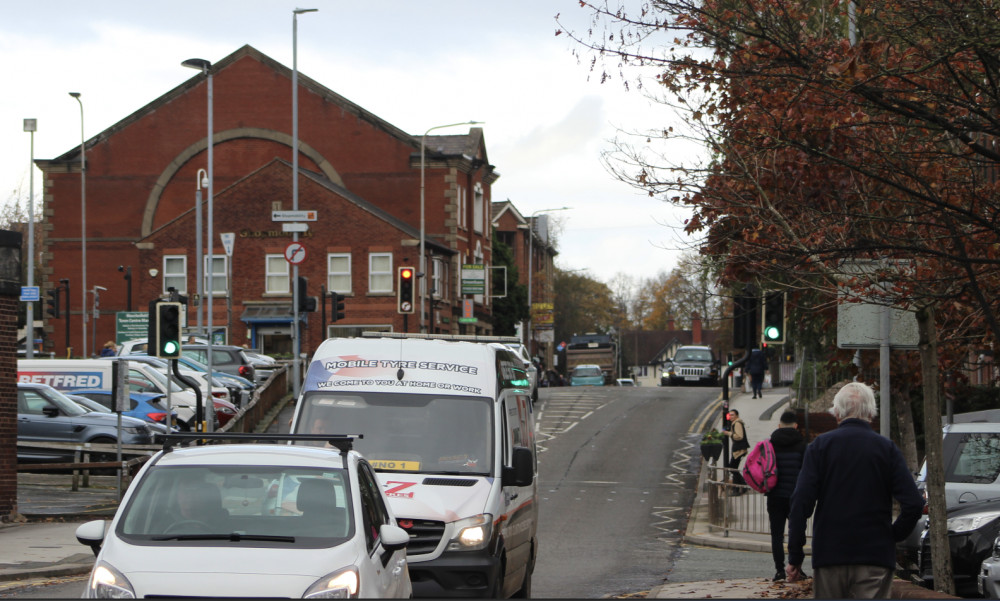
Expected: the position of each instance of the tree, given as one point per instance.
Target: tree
(582, 305)
(511, 309)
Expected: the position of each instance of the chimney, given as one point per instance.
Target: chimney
(695, 328)
(670, 324)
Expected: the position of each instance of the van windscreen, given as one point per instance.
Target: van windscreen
(407, 432)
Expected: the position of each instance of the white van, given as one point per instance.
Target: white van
(449, 429)
(67, 375)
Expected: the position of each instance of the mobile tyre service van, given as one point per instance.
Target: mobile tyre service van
(67, 375)
(449, 429)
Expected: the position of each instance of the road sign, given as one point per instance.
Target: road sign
(29, 293)
(227, 242)
(295, 253)
(474, 278)
(294, 227)
(293, 215)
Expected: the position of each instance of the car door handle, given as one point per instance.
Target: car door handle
(513, 496)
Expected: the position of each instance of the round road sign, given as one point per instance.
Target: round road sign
(295, 253)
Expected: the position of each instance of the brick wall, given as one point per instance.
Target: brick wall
(9, 307)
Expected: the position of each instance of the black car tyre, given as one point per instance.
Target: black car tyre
(102, 456)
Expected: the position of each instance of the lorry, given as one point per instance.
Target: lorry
(447, 423)
(592, 349)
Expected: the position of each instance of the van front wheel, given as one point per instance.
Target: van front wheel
(525, 591)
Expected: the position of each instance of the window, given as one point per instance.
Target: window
(380, 272)
(977, 459)
(373, 511)
(220, 284)
(338, 273)
(478, 210)
(439, 278)
(175, 273)
(276, 274)
(461, 208)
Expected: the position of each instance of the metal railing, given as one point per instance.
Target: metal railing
(736, 507)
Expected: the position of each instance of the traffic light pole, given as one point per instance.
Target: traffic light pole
(725, 403)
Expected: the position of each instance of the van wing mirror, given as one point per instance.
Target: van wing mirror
(522, 470)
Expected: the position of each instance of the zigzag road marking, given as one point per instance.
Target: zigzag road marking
(669, 518)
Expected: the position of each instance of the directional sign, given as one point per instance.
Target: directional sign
(293, 215)
(29, 293)
(294, 227)
(295, 253)
(227, 242)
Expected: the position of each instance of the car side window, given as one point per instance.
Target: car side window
(372, 517)
(31, 402)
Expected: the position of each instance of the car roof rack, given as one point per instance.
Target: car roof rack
(342, 442)
(448, 337)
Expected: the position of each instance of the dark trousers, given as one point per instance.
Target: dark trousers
(777, 514)
(757, 384)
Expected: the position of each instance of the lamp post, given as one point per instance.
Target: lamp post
(30, 125)
(423, 264)
(296, 338)
(83, 228)
(531, 264)
(202, 180)
(97, 304)
(127, 270)
(206, 68)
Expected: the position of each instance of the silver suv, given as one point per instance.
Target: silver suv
(691, 365)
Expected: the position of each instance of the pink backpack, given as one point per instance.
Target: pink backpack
(761, 470)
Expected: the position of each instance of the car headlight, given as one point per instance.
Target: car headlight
(996, 548)
(472, 533)
(108, 583)
(972, 521)
(342, 584)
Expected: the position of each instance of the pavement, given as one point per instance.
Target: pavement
(41, 542)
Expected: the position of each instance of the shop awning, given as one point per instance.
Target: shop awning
(269, 314)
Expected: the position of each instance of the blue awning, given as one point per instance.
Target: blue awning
(270, 314)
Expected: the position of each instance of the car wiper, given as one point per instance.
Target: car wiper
(233, 536)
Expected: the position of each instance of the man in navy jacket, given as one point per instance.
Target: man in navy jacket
(851, 475)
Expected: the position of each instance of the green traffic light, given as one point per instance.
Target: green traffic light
(772, 333)
(170, 347)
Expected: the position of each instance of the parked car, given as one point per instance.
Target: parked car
(139, 345)
(231, 381)
(230, 359)
(972, 532)
(586, 375)
(251, 520)
(971, 460)
(624, 382)
(45, 415)
(988, 582)
(157, 429)
(148, 406)
(691, 365)
(529, 366)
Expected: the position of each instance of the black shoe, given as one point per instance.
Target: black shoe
(779, 575)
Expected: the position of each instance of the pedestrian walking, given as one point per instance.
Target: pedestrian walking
(789, 447)
(737, 432)
(851, 475)
(757, 367)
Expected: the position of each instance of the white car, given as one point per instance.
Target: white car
(251, 520)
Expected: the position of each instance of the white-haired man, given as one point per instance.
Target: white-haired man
(850, 476)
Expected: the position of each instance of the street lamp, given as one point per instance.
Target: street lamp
(206, 68)
(423, 264)
(531, 263)
(30, 125)
(296, 338)
(202, 180)
(83, 228)
(127, 270)
(97, 304)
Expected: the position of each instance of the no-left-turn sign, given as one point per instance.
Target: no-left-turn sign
(295, 253)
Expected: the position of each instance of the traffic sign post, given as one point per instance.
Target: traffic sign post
(295, 253)
(30, 294)
(293, 215)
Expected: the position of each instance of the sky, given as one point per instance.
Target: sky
(414, 64)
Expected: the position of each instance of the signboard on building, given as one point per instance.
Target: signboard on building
(468, 316)
(542, 315)
(474, 279)
(130, 325)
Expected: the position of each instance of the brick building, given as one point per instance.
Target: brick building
(361, 174)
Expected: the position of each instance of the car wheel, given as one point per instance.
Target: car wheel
(497, 592)
(525, 591)
(95, 457)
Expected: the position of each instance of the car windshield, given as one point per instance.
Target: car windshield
(586, 372)
(252, 505)
(65, 404)
(693, 355)
(407, 432)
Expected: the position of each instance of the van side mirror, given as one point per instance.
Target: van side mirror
(522, 470)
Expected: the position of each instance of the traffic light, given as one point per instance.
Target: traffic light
(167, 330)
(53, 302)
(337, 306)
(404, 290)
(773, 319)
(745, 321)
(307, 304)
